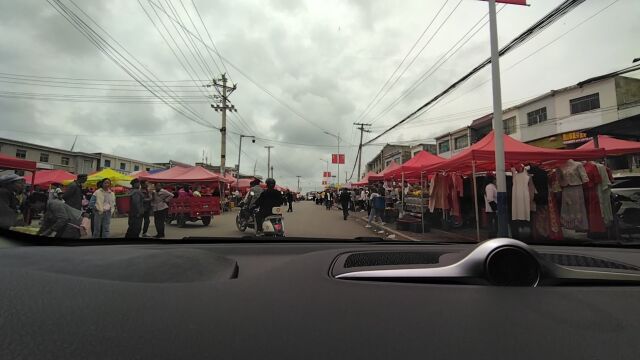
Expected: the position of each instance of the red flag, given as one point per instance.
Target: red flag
(334, 158)
(514, 2)
(341, 158)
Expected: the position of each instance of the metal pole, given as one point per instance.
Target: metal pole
(475, 199)
(402, 194)
(421, 201)
(268, 147)
(223, 129)
(239, 153)
(498, 130)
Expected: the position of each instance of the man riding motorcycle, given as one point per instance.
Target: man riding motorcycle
(267, 200)
(250, 199)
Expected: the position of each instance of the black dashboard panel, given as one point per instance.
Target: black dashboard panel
(279, 301)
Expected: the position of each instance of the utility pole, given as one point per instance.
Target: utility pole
(362, 131)
(222, 105)
(338, 162)
(271, 172)
(298, 176)
(240, 149)
(269, 168)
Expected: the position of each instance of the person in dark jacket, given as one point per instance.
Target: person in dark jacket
(268, 199)
(73, 195)
(61, 219)
(290, 200)
(136, 210)
(345, 199)
(144, 187)
(11, 186)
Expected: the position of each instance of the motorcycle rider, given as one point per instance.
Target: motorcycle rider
(267, 200)
(250, 199)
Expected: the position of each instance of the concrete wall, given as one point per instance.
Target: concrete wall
(76, 163)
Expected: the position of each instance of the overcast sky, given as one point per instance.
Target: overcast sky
(325, 60)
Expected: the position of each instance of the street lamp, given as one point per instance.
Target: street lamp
(338, 162)
(253, 139)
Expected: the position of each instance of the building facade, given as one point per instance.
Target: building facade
(389, 153)
(123, 164)
(50, 158)
(431, 148)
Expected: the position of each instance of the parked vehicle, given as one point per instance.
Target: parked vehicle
(626, 200)
(192, 209)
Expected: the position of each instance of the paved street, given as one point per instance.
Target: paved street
(307, 220)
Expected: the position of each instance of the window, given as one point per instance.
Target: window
(123, 166)
(148, 169)
(64, 161)
(585, 103)
(509, 125)
(107, 163)
(44, 157)
(461, 142)
(537, 116)
(443, 147)
(136, 167)
(21, 154)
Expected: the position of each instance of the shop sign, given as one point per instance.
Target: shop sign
(574, 137)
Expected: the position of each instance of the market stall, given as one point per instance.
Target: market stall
(446, 188)
(45, 178)
(613, 146)
(364, 181)
(13, 163)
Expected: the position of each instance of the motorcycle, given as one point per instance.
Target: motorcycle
(272, 225)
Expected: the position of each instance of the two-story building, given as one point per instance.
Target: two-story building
(50, 158)
(123, 164)
(389, 153)
(431, 148)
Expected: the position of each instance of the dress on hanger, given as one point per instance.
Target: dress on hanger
(521, 195)
(596, 223)
(604, 195)
(439, 192)
(555, 231)
(573, 211)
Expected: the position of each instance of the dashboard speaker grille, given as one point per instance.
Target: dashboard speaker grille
(586, 261)
(391, 258)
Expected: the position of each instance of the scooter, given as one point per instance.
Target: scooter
(272, 225)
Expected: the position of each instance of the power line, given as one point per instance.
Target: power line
(212, 43)
(368, 108)
(533, 30)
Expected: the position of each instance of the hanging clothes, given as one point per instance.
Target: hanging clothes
(541, 183)
(439, 192)
(573, 210)
(555, 231)
(540, 223)
(456, 192)
(604, 194)
(596, 223)
(521, 195)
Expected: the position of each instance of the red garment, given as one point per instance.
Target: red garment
(439, 192)
(592, 202)
(555, 229)
(455, 194)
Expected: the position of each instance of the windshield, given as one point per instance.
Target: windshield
(325, 120)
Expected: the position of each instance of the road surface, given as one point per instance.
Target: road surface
(306, 220)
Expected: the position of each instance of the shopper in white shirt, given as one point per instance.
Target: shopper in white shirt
(491, 205)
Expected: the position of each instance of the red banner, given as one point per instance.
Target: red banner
(514, 2)
(337, 158)
(326, 174)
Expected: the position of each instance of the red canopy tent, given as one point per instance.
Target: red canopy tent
(48, 177)
(412, 167)
(383, 174)
(184, 175)
(364, 181)
(613, 146)
(483, 153)
(10, 162)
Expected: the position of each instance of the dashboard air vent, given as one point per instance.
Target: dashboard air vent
(586, 261)
(368, 259)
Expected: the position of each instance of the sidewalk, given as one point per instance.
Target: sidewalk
(388, 231)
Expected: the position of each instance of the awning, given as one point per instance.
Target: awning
(48, 177)
(185, 175)
(10, 162)
(383, 174)
(412, 167)
(365, 180)
(613, 146)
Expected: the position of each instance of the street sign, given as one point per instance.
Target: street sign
(337, 158)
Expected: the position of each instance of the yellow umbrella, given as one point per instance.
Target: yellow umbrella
(107, 173)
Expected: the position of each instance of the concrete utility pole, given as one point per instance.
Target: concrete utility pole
(240, 149)
(269, 168)
(222, 105)
(498, 130)
(298, 176)
(338, 162)
(362, 131)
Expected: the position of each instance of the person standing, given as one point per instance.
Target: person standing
(290, 200)
(136, 210)
(345, 199)
(328, 199)
(146, 203)
(160, 203)
(11, 186)
(104, 209)
(73, 195)
(491, 205)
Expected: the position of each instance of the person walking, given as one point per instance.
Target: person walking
(345, 199)
(136, 210)
(146, 203)
(160, 203)
(491, 205)
(328, 199)
(105, 207)
(73, 195)
(375, 202)
(290, 200)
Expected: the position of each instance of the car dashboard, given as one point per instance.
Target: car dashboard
(319, 300)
